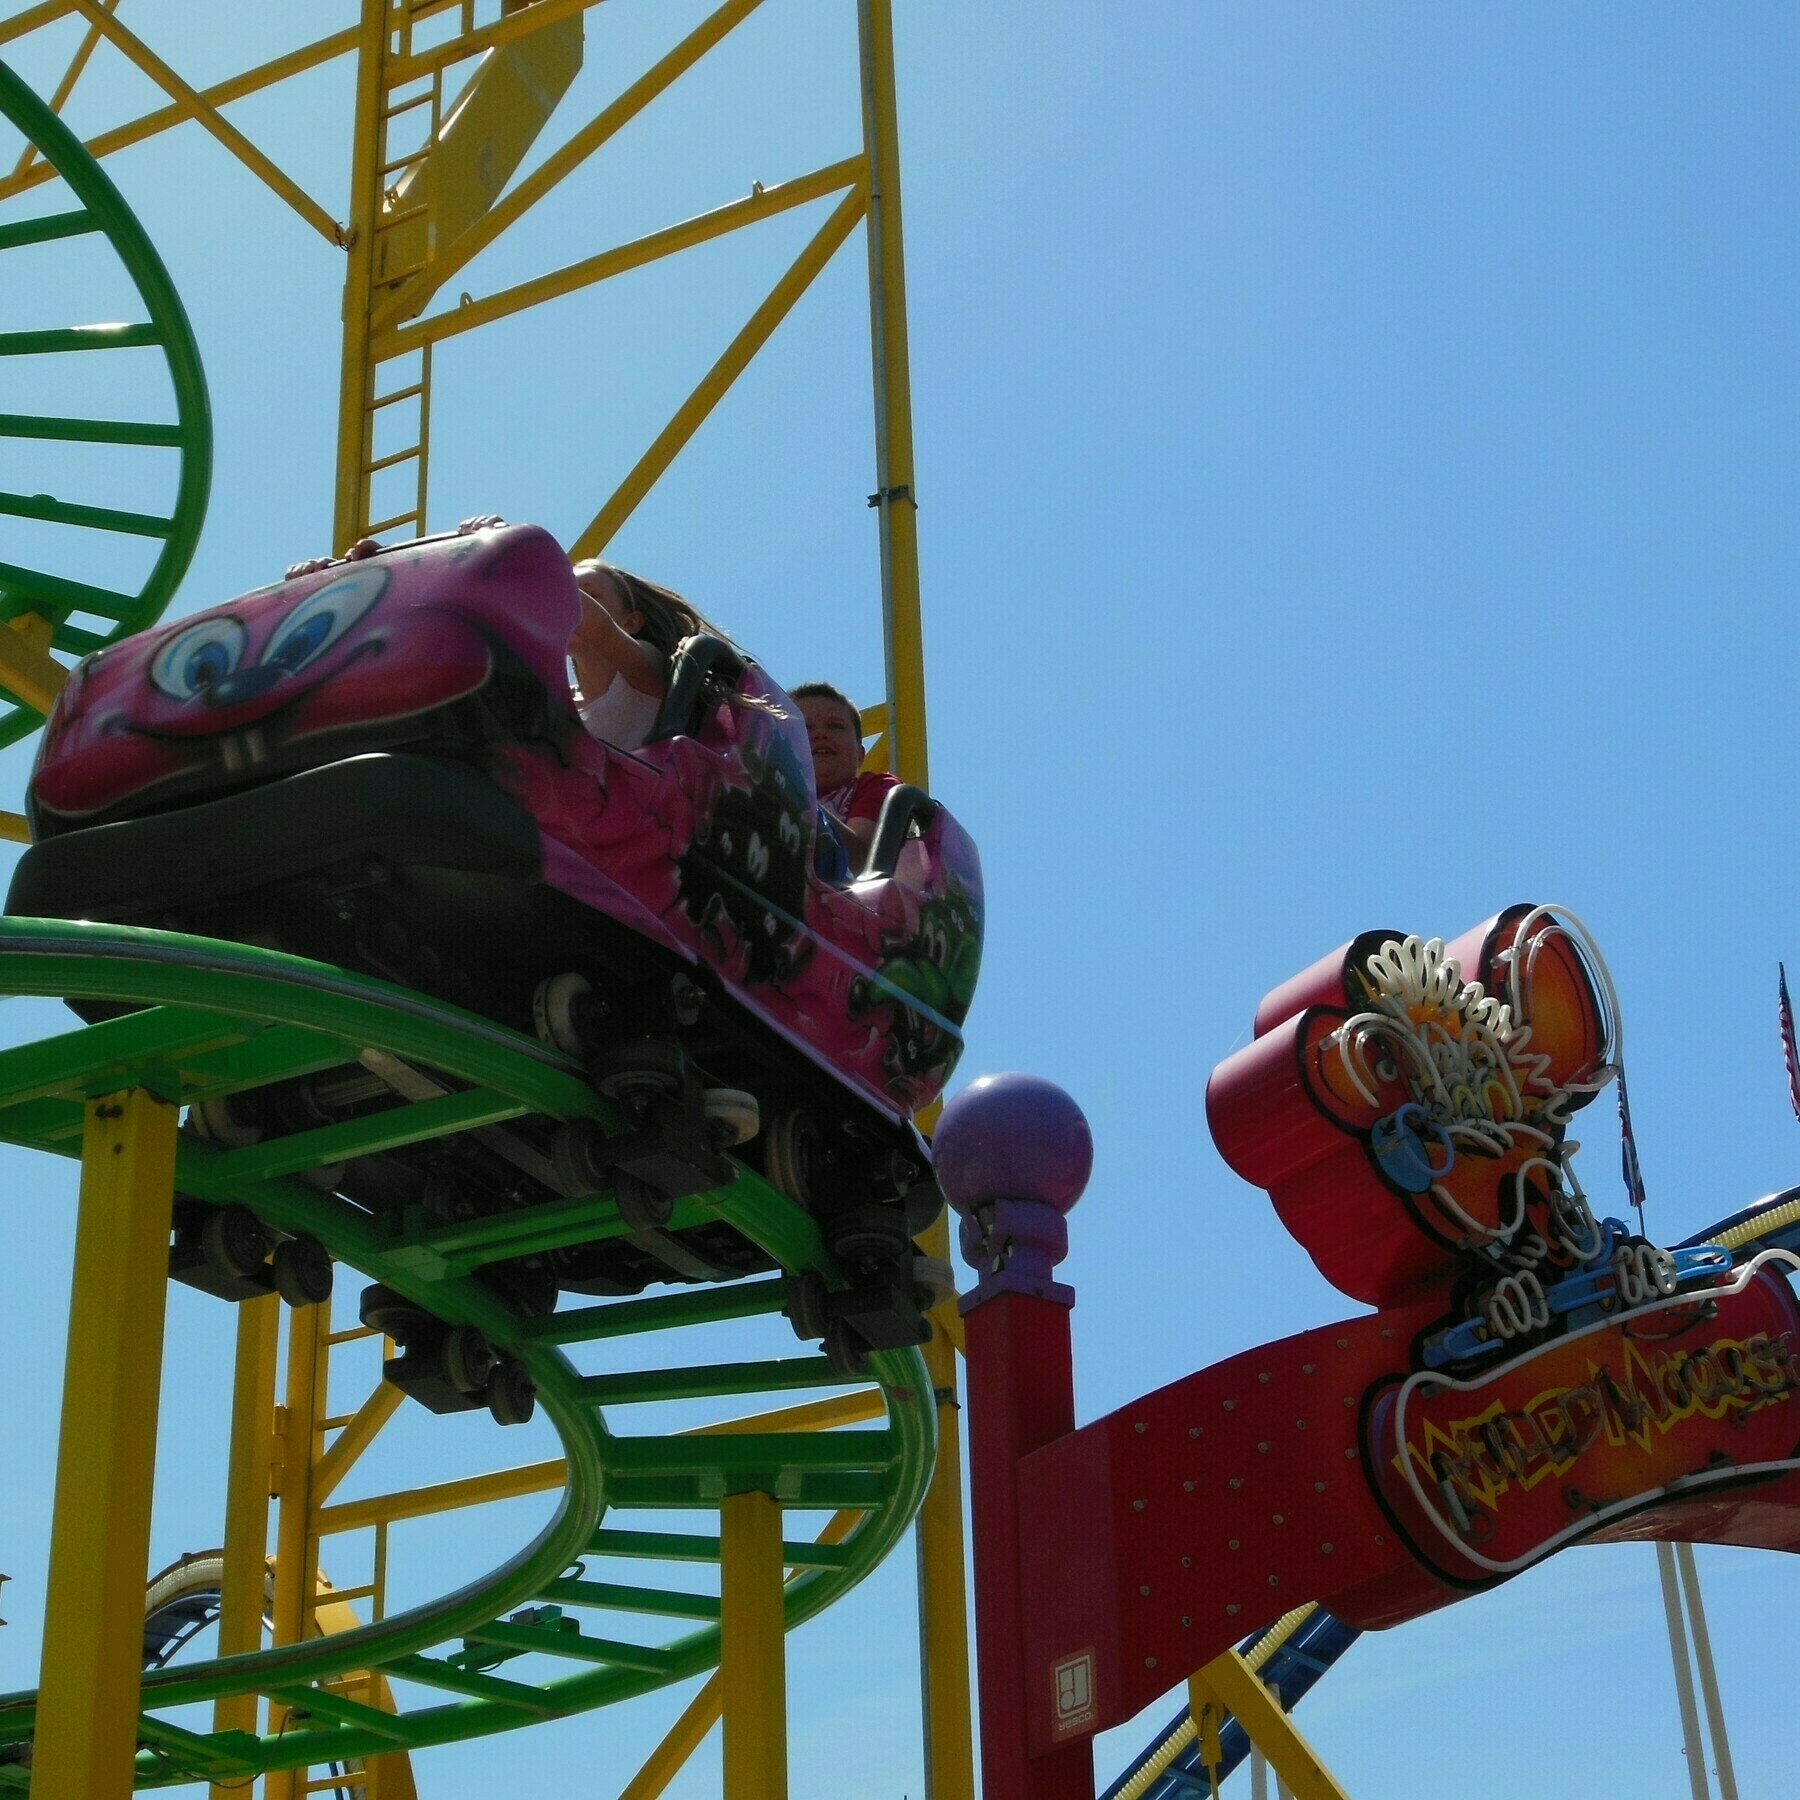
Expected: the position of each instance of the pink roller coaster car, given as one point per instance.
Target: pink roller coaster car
(379, 764)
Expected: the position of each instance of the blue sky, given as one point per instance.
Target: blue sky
(1355, 457)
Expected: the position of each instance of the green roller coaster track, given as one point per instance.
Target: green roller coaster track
(216, 1018)
(56, 597)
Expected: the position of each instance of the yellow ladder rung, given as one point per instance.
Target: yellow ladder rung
(393, 112)
(387, 462)
(406, 518)
(406, 161)
(405, 393)
(351, 1335)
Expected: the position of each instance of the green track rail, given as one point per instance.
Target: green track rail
(217, 1018)
(54, 596)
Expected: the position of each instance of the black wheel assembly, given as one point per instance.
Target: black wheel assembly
(234, 1241)
(303, 1271)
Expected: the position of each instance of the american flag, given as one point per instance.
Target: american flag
(1788, 1053)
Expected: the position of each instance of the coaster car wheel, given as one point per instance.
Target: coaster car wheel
(845, 1350)
(218, 1122)
(561, 1009)
(934, 1281)
(392, 1314)
(234, 1242)
(469, 1360)
(302, 1270)
(732, 1115)
(511, 1393)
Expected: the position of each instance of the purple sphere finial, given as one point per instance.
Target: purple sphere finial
(1012, 1137)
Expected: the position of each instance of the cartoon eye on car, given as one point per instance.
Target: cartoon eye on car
(379, 764)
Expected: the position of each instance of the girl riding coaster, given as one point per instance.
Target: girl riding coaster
(380, 762)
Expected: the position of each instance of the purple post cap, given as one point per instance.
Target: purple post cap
(1012, 1137)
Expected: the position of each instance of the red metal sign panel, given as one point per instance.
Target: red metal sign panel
(1487, 1476)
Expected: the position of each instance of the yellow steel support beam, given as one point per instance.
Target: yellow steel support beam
(243, 1591)
(540, 1477)
(702, 1712)
(410, 296)
(733, 216)
(1184, 1731)
(810, 1415)
(752, 1648)
(896, 504)
(943, 1593)
(45, 14)
(221, 93)
(106, 1457)
(194, 106)
(296, 1546)
(1228, 1685)
(684, 1737)
(14, 828)
(943, 1599)
(692, 412)
(65, 87)
(27, 669)
(356, 370)
(441, 1497)
(354, 1439)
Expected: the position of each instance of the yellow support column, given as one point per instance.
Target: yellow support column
(106, 1458)
(895, 502)
(296, 1547)
(1228, 1685)
(943, 1593)
(242, 1598)
(753, 1648)
(350, 508)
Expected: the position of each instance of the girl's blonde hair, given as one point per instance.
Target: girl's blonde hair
(668, 618)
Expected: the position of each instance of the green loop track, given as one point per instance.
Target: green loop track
(46, 593)
(216, 1018)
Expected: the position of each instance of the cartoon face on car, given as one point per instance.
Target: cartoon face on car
(247, 689)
